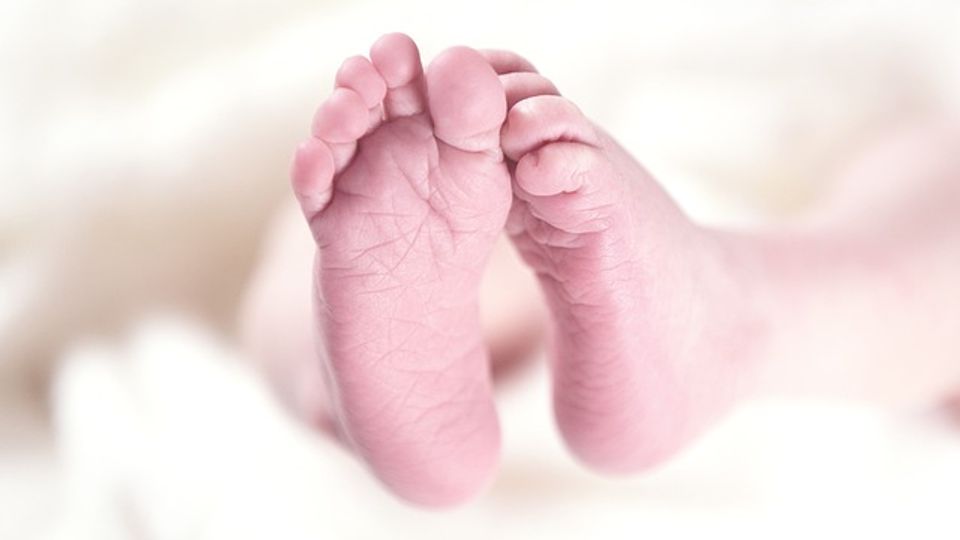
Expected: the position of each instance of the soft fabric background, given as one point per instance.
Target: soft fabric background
(144, 145)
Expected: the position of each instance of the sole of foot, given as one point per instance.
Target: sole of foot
(650, 325)
(405, 189)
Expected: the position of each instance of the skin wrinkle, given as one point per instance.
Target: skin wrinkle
(367, 249)
(596, 368)
(613, 257)
(406, 253)
(393, 350)
(435, 405)
(440, 403)
(589, 411)
(479, 134)
(379, 416)
(597, 415)
(520, 110)
(415, 465)
(596, 284)
(455, 428)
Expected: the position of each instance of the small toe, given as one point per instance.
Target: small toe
(521, 85)
(504, 62)
(397, 59)
(312, 176)
(533, 122)
(556, 168)
(359, 75)
(571, 186)
(343, 118)
(467, 103)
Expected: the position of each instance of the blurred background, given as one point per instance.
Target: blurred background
(144, 148)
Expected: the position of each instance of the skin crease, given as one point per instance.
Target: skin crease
(658, 326)
(404, 220)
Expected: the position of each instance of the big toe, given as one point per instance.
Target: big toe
(466, 99)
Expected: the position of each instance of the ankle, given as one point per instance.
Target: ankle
(743, 296)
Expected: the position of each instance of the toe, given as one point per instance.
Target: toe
(467, 102)
(397, 60)
(536, 121)
(312, 176)
(556, 168)
(570, 186)
(518, 76)
(523, 84)
(359, 75)
(504, 62)
(343, 118)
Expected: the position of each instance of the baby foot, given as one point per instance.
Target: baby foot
(650, 318)
(405, 189)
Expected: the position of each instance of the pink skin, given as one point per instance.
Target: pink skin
(860, 296)
(651, 337)
(405, 208)
(277, 326)
(952, 407)
(658, 325)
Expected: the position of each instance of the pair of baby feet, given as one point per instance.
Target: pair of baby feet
(406, 183)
